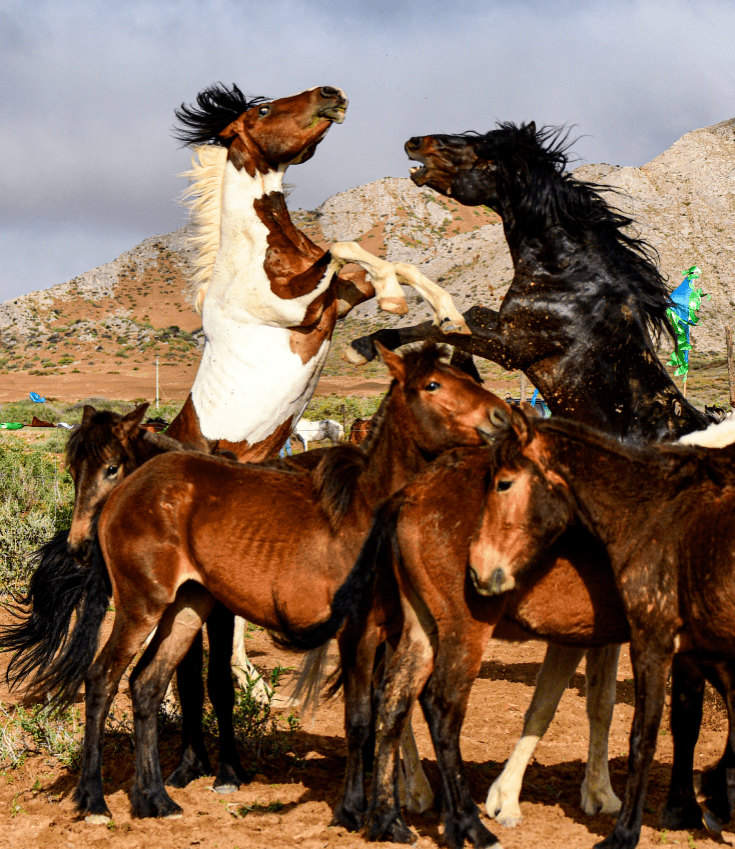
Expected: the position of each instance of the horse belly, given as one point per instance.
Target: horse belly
(250, 381)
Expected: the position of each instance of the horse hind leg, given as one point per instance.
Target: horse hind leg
(503, 798)
(601, 673)
(177, 630)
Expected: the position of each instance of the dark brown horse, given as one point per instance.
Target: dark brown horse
(664, 515)
(580, 318)
(186, 530)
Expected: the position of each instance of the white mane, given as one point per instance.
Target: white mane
(203, 197)
(715, 436)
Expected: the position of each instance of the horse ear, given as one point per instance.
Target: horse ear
(531, 127)
(394, 362)
(89, 411)
(130, 423)
(520, 424)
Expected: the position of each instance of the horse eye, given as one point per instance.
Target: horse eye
(432, 387)
(503, 486)
(112, 471)
(264, 110)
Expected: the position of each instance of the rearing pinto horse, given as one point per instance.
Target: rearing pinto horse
(269, 297)
(580, 318)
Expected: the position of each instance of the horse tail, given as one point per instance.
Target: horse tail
(58, 588)
(354, 594)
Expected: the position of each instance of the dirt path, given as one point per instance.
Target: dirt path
(36, 810)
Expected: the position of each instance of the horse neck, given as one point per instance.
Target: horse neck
(240, 224)
(618, 499)
(394, 457)
(610, 376)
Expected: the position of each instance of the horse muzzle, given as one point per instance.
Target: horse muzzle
(499, 582)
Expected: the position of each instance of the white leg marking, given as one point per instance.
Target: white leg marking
(503, 798)
(597, 793)
(246, 674)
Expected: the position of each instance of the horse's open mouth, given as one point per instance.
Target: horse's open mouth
(419, 174)
(334, 113)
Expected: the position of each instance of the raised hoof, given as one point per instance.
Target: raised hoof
(397, 306)
(350, 355)
(453, 325)
(159, 806)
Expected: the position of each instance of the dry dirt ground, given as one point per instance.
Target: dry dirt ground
(36, 809)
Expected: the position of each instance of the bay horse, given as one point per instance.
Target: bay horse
(359, 431)
(187, 529)
(581, 318)
(664, 515)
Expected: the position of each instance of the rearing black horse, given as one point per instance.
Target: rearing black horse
(581, 317)
(587, 301)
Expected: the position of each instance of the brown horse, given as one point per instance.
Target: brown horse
(446, 626)
(664, 515)
(359, 431)
(187, 529)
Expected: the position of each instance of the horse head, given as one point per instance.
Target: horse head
(452, 166)
(527, 506)
(262, 135)
(446, 407)
(100, 453)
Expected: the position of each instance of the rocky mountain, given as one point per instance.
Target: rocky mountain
(137, 306)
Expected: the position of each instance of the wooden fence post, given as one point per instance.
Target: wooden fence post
(730, 365)
(524, 384)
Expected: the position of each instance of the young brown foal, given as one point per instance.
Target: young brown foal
(187, 529)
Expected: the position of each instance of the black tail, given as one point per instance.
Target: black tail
(59, 586)
(353, 593)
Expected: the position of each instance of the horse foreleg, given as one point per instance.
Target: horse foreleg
(247, 675)
(179, 627)
(601, 673)
(406, 674)
(101, 685)
(503, 798)
(444, 701)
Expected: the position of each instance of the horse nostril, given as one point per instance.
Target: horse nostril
(413, 143)
(330, 91)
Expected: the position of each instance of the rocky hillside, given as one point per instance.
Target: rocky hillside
(137, 307)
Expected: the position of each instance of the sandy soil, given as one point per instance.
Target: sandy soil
(36, 811)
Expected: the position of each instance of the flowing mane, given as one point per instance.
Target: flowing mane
(216, 108)
(535, 163)
(203, 198)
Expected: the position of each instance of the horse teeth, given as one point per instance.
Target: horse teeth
(414, 169)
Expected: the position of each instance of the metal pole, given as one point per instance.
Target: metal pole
(524, 384)
(156, 382)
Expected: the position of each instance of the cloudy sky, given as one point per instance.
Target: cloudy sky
(89, 89)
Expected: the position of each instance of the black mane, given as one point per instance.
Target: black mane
(216, 107)
(535, 163)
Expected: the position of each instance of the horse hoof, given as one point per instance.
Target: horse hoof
(350, 355)
(397, 306)
(713, 825)
(98, 819)
(450, 325)
(226, 788)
